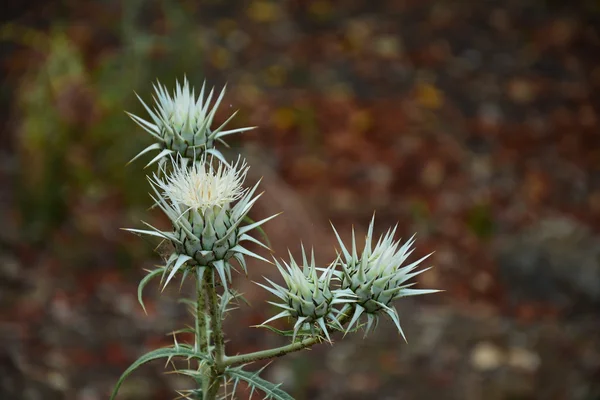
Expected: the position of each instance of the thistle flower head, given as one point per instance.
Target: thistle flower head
(201, 186)
(307, 296)
(207, 228)
(378, 276)
(181, 123)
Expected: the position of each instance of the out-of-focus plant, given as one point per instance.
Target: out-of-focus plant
(207, 204)
(68, 107)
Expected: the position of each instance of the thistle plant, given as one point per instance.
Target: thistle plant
(207, 203)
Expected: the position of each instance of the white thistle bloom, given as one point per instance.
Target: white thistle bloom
(378, 276)
(207, 228)
(181, 123)
(308, 297)
(200, 186)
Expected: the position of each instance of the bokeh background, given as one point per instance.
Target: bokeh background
(473, 123)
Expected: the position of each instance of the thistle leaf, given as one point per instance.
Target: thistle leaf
(255, 382)
(144, 282)
(167, 352)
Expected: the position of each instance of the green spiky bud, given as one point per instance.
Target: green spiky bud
(182, 123)
(307, 296)
(378, 276)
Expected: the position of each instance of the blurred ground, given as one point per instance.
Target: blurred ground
(474, 124)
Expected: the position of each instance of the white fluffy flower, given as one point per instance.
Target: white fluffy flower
(200, 186)
(182, 123)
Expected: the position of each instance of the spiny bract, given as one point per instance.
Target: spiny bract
(207, 230)
(181, 123)
(377, 277)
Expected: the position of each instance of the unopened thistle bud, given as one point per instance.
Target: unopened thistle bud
(308, 297)
(207, 229)
(182, 123)
(378, 277)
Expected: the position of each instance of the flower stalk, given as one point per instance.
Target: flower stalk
(216, 332)
(277, 351)
(201, 326)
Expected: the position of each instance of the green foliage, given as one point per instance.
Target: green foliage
(145, 281)
(255, 382)
(178, 350)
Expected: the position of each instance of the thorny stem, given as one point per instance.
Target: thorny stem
(201, 342)
(216, 331)
(270, 353)
(211, 383)
(201, 325)
(215, 318)
(278, 351)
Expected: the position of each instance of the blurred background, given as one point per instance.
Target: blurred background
(473, 123)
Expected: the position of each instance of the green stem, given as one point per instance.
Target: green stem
(201, 342)
(215, 319)
(278, 351)
(270, 353)
(216, 335)
(201, 325)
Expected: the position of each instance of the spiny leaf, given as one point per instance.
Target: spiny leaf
(271, 390)
(167, 352)
(144, 282)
